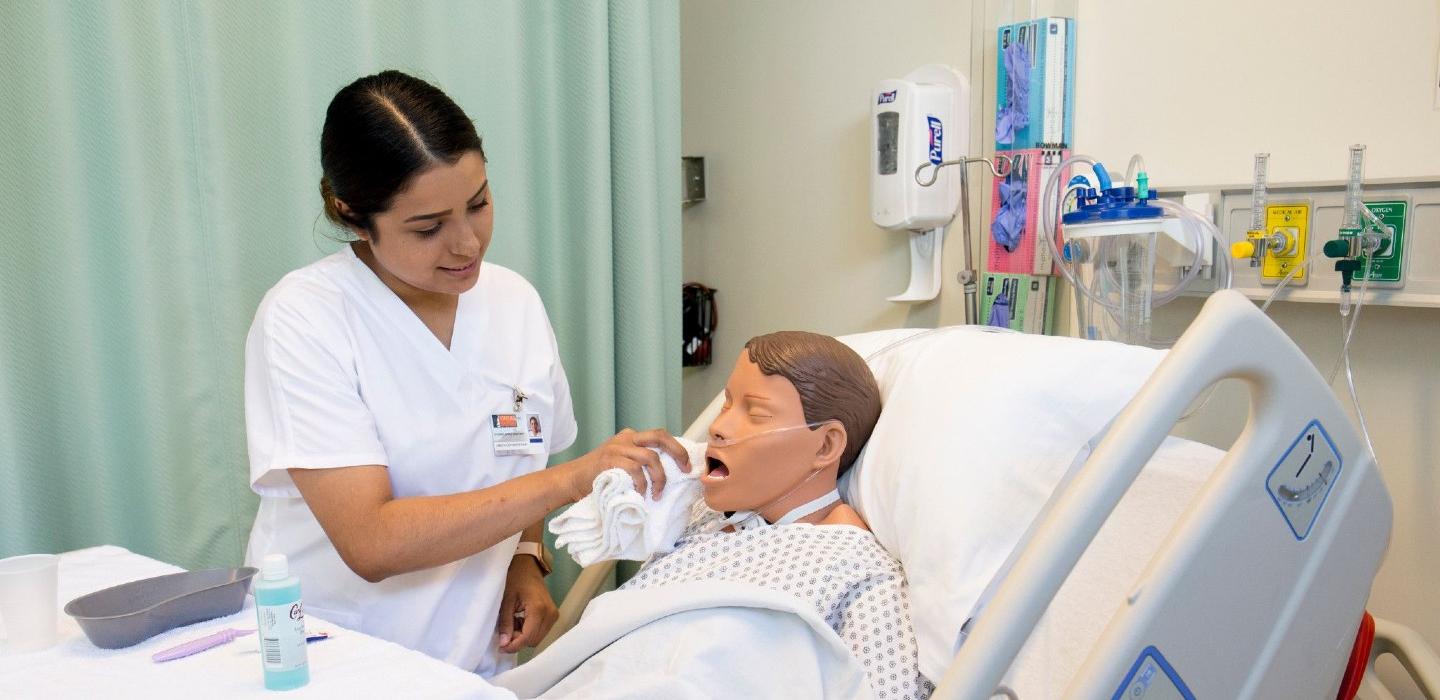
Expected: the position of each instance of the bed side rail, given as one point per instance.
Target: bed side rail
(1257, 590)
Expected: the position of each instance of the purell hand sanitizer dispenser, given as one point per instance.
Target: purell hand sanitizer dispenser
(921, 119)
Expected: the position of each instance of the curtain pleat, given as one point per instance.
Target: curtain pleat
(159, 166)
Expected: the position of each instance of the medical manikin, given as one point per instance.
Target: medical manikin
(798, 408)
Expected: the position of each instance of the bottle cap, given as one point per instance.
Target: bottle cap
(275, 567)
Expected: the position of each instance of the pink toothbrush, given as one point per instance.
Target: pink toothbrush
(198, 645)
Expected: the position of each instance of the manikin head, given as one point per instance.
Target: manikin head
(783, 380)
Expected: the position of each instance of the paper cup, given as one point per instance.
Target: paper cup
(29, 602)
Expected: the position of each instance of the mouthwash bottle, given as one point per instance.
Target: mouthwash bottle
(281, 627)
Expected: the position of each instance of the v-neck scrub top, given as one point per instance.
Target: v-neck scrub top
(340, 372)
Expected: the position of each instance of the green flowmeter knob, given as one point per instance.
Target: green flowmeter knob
(1346, 267)
(1338, 248)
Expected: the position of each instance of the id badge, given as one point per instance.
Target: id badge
(517, 434)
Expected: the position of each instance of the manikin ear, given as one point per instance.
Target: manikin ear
(832, 445)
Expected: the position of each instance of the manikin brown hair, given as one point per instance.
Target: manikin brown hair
(834, 383)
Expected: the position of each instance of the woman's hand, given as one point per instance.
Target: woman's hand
(628, 450)
(527, 612)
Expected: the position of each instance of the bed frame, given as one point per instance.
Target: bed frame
(1258, 590)
(1260, 587)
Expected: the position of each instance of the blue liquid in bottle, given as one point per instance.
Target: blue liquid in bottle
(280, 625)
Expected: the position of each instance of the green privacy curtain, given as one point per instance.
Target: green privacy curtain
(158, 173)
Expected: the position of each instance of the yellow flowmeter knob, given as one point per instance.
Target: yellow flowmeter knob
(1242, 249)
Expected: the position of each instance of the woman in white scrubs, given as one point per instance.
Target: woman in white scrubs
(402, 398)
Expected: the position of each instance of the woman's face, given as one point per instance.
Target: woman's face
(435, 233)
(754, 473)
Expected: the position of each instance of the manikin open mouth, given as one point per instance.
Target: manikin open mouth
(716, 469)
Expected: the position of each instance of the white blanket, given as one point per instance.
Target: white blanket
(705, 639)
(1096, 589)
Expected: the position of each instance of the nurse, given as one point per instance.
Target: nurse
(389, 393)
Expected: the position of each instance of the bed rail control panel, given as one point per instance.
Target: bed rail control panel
(1302, 479)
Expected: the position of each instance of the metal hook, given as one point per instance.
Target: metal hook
(994, 169)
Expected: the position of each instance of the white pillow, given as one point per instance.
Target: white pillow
(976, 429)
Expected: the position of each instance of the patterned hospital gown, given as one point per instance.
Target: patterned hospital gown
(842, 571)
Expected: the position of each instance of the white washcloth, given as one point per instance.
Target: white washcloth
(617, 522)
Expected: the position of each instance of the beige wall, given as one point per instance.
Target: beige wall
(1198, 88)
(1192, 103)
(776, 98)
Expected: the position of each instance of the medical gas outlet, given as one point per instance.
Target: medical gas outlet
(1378, 247)
(1279, 247)
(1371, 246)
(1279, 236)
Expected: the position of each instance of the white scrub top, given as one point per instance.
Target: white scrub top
(340, 372)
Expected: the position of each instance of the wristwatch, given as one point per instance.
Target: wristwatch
(537, 550)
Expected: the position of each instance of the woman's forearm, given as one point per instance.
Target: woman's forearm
(379, 536)
(426, 531)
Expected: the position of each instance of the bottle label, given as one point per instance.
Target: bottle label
(282, 636)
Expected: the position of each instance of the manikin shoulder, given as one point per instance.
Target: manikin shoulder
(843, 514)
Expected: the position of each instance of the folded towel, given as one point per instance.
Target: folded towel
(617, 522)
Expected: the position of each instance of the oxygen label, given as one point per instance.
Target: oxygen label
(1387, 264)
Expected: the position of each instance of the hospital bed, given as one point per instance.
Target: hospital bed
(1196, 572)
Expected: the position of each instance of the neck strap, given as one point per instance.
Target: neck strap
(749, 519)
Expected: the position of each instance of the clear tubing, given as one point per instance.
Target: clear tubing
(1259, 193)
(1210, 393)
(1049, 216)
(1349, 333)
(1049, 210)
(727, 442)
(1200, 405)
(1135, 160)
(1383, 232)
(741, 515)
(1374, 220)
(1198, 234)
(1352, 188)
(1359, 414)
(1202, 229)
(1344, 361)
(1284, 281)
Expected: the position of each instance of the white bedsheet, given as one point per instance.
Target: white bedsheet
(694, 640)
(1097, 587)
